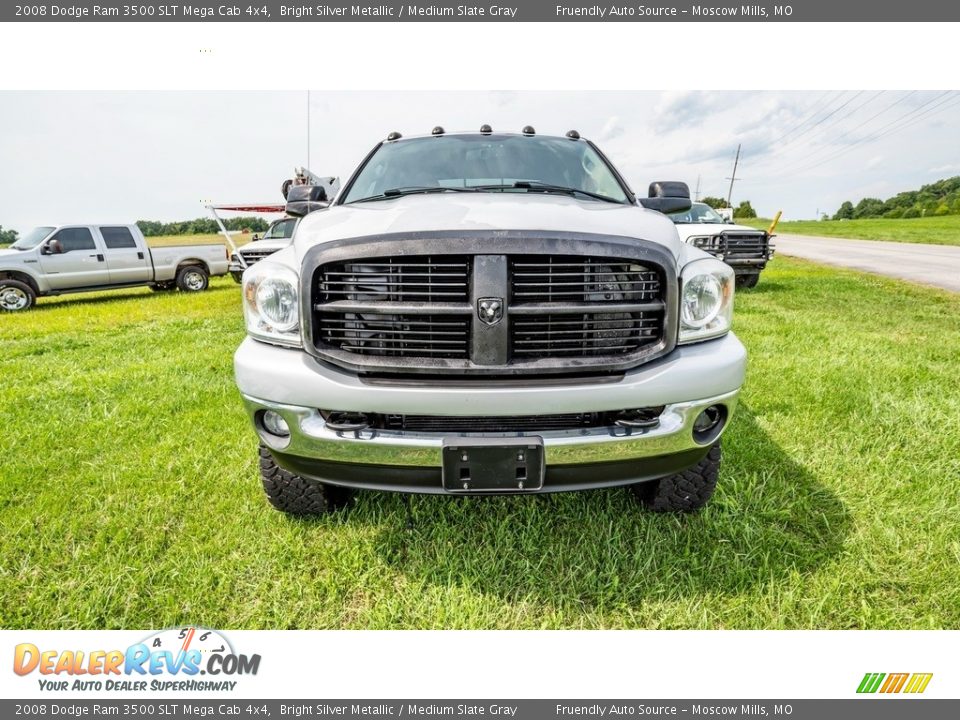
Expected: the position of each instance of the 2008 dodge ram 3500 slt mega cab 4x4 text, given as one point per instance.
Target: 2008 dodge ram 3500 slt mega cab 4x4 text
(490, 313)
(82, 258)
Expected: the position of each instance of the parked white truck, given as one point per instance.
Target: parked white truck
(490, 313)
(54, 260)
(745, 249)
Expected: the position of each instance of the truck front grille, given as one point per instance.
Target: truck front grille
(441, 336)
(416, 279)
(254, 256)
(551, 313)
(744, 244)
(574, 279)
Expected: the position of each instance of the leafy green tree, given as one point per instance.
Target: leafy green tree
(744, 210)
(714, 202)
(870, 207)
(845, 212)
(911, 212)
(7, 236)
(200, 226)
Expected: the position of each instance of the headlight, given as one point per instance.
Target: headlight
(271, 303)
(706, 300)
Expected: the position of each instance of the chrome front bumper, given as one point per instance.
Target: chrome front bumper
(686, 382)
(310, 437)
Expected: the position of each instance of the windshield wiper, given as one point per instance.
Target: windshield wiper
(538, 186)
(414, 190)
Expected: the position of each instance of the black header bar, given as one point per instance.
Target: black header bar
(500, 11)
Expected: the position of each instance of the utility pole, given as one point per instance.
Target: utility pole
(308, 128)
(696, 193)
(733, 177)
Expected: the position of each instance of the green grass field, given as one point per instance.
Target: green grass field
(129, 495)
(943, 230)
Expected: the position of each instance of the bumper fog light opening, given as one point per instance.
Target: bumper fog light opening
(709, 423)
(274, 424)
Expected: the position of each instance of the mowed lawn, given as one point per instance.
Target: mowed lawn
(944, 230)
(129, 494)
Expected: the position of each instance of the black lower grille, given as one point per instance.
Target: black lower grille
(641, 417)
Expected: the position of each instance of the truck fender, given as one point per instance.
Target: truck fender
(191, 261)
(24, 276)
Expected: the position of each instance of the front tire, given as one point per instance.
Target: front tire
(298, 496)
(687, 491)
(748, 281)
(16, 296)
(192, 278)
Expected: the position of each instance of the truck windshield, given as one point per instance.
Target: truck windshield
(487, 163)
(280, 230)
(32, 238)
(698, 214)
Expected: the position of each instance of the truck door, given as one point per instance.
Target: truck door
(71, 259)
(127, 261)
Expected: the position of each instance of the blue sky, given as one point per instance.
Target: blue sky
(123, 156)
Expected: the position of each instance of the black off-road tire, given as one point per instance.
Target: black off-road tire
(192, 278)
(748, 281)
(237, 277)
(16, 296)
(298, 496)
(684, 492)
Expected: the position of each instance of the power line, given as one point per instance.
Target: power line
(894, 127)
(808, 117)
(815, 125)
(873, 117)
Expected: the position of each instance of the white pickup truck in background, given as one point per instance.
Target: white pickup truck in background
(54, 260)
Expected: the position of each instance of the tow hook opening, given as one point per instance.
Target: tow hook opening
(709, 423)
(345, 421)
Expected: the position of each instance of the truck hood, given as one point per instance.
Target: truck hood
(266, 245)
(689, 230)
(485, 211)
(6, 254)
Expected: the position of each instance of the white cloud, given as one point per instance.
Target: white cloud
(611, 128)
(158, 155)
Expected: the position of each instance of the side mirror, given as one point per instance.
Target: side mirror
(667, 197)
(255, 237)
(304, 199)
(52, 247)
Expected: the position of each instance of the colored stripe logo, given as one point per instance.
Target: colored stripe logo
(913, 683)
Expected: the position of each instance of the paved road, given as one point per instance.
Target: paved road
(937, 265)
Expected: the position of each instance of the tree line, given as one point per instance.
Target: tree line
(200, 226)
(939, 198)
(743, 210)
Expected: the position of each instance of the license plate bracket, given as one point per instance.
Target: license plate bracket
(478, 465)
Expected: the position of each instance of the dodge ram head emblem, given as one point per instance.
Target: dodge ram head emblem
(490, 310)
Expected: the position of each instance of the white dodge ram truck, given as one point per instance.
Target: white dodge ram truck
(489, 313)
(745, 249)
(62, 259)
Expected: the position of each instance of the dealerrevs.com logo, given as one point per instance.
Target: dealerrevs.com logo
(173, 659)
(892, 683)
